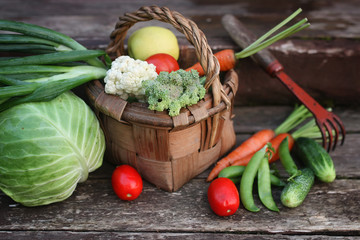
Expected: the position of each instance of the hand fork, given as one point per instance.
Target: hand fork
(326, 121)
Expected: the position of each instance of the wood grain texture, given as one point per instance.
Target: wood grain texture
(330, 211)
(93, 206)
(323, 60)
(91, 235)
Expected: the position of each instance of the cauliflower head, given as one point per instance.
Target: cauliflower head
(125, 76)
(172, 91)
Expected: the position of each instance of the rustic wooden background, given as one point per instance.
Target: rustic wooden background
(324, 59)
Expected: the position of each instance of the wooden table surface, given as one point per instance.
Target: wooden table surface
(324, 59)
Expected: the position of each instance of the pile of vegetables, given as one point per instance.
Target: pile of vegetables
(298, 137)
(241, 155)
(50, 139)
(55, 63)
(156, 46)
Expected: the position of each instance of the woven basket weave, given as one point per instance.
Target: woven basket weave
(167, 151)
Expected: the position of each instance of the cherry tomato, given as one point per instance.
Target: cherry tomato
(163, 62)
(126, 182)
(223, 197)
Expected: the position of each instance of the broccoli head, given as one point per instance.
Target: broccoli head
(172, 91)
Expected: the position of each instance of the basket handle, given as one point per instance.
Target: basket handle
(192, 33)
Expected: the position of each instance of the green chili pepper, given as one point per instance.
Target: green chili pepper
(286, 159)
(264, 186)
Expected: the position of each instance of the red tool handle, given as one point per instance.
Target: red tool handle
(243, 37)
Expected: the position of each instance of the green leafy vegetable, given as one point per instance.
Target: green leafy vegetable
(172, 91)
(47, 148)
(52, 68)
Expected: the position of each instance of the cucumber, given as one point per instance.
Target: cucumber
(316, 158)
(295, 192)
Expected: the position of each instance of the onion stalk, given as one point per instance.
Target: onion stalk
(54, 63)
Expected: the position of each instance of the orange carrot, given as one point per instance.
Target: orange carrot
(275, 143)
(248, 147)
(243, 161)
(226, 60)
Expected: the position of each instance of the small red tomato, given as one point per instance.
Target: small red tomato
(126, 182)
(223, 197)
(163, 62)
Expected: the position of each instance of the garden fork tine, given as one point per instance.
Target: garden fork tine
(326, 121)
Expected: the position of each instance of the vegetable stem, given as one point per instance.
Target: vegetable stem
(17, 90)
(53, 58)
(264, 42)
(45, 89)
(22, 39)
(47, 34)
(33, 69)
(274, 29)
(298, 115)
(48, 91)
(310, 129)
(54, 66)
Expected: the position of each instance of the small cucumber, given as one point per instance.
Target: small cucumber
(295, 192)
(316, 158)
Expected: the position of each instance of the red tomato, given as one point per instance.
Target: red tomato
(163, 62)
(223, 197)
(126, 182)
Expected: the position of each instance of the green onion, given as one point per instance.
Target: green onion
(51, 88)
(11, 81)
(43, 76)
(33, 69)
(25, 47)
(51, 58)
(17, 90)
(23, 39)
(46, 34)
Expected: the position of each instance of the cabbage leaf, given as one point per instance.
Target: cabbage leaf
(47, 148)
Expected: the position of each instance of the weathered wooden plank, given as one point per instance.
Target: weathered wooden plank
(69, 235)
(94, 207)
(326, 54)
(97, 18)
(249, 119)
(323, 59)
(330, 209)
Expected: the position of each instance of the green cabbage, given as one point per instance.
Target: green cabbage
(47, 148)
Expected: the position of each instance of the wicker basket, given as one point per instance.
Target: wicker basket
(167, 151)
